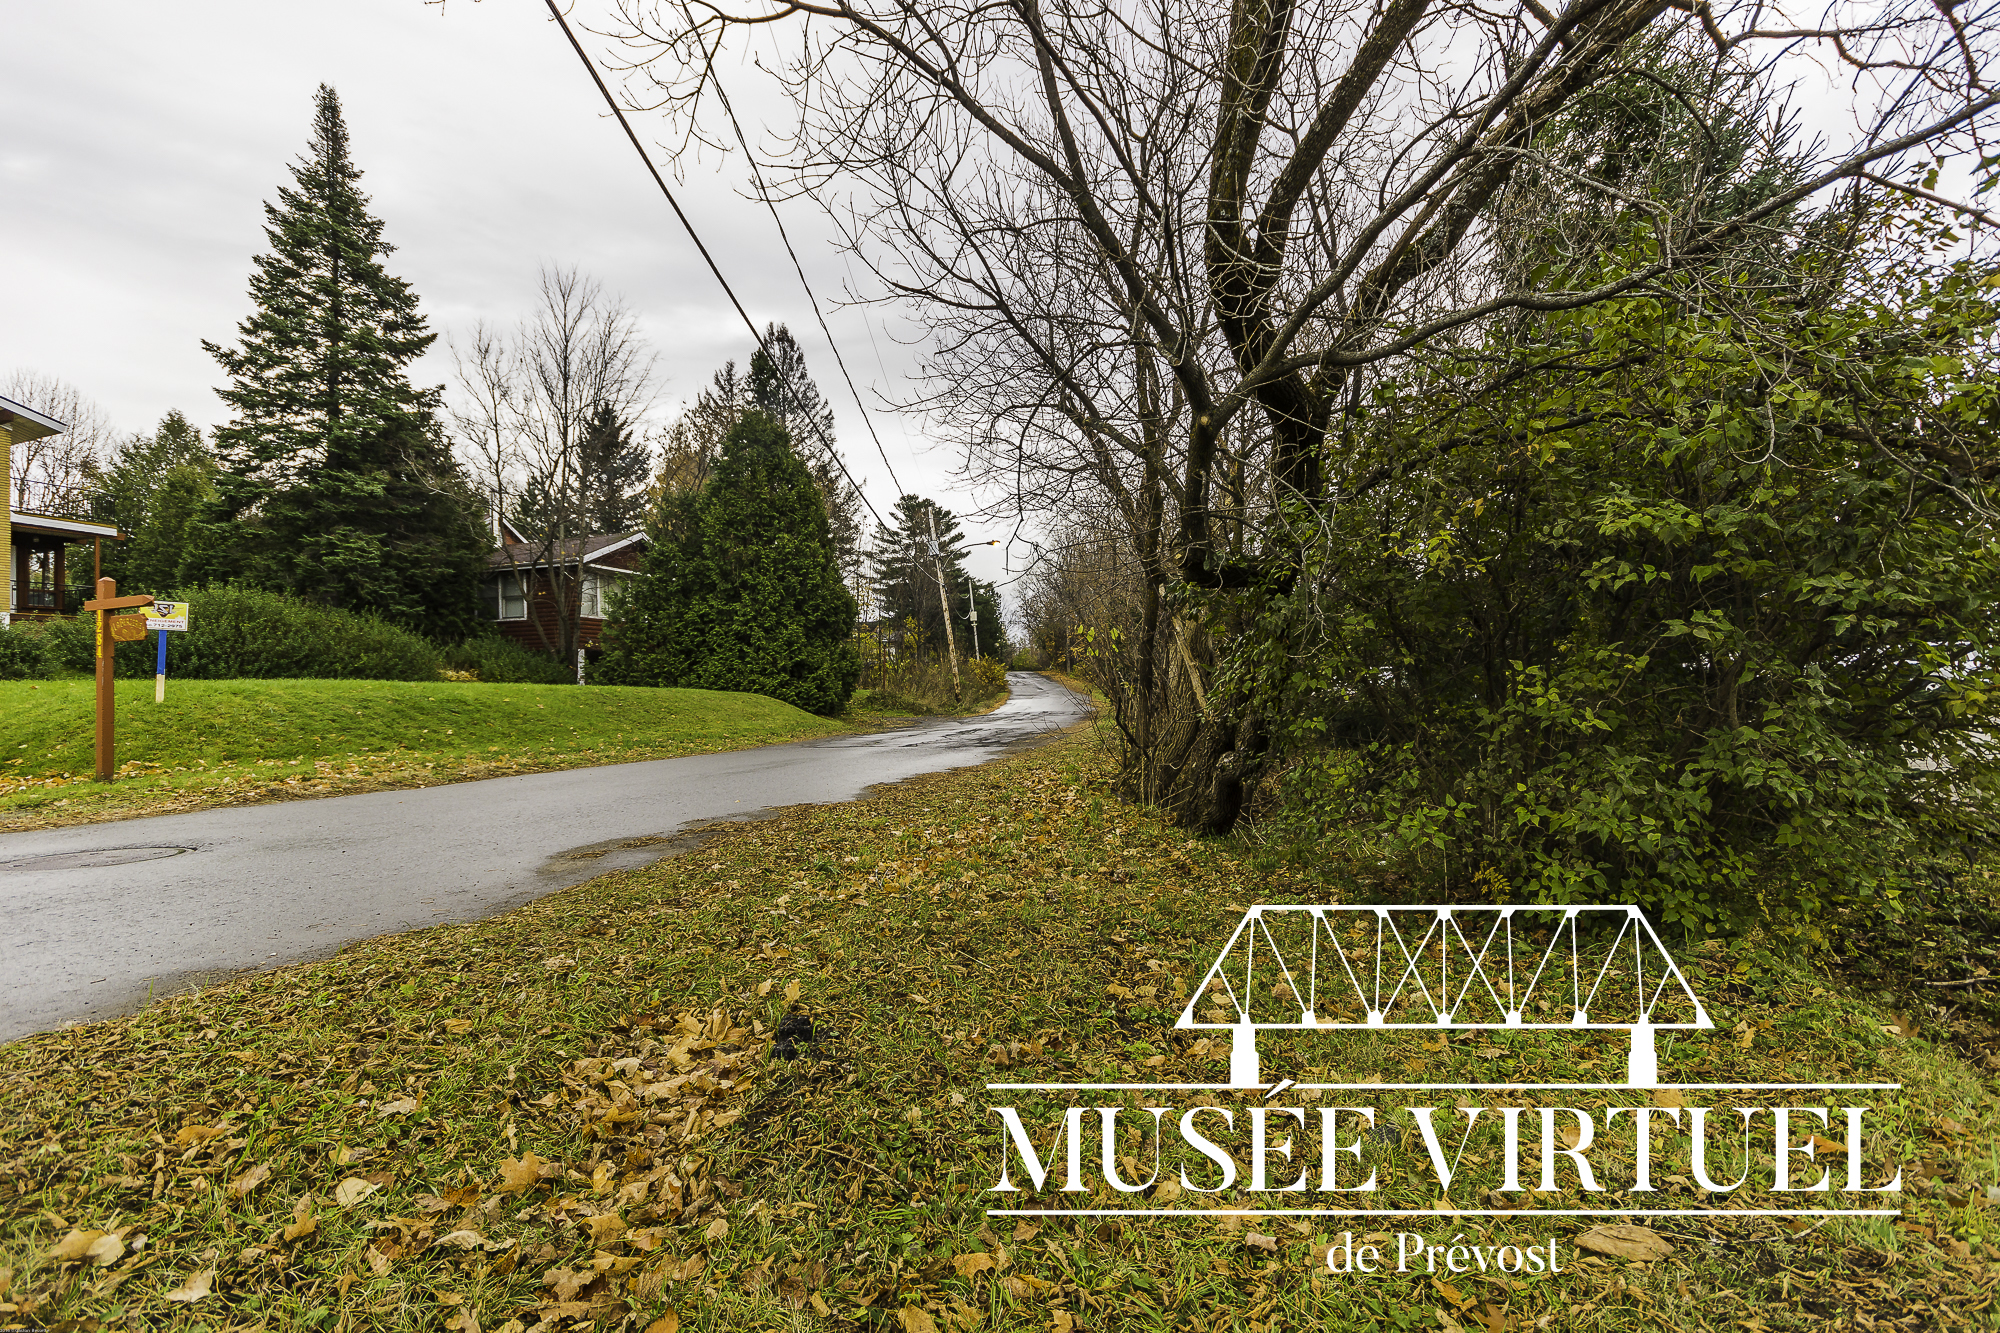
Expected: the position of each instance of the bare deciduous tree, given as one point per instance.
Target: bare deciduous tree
(1162, 248)
(51, 475)
(526, 407)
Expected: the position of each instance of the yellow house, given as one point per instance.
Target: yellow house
(33, 545)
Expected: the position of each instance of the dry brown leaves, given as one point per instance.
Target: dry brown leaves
(1625, 1242)
(649, 1101)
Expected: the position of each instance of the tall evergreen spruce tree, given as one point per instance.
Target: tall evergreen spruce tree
(742, 589)
(615, 469)
(780, 385)
(905, 577)
(336, 482)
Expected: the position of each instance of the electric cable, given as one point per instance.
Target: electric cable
(688, 226)
(764, 194)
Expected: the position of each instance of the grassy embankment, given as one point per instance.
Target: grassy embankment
(574, 1114)
(220, 742)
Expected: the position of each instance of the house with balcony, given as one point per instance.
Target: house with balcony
(35, 547)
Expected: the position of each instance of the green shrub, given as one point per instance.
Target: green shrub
(984, 677)
(741, 588)
(1706, 648)
(501, 661)
(923, 685)
(21, 655)
(242, 634)
(64, 643)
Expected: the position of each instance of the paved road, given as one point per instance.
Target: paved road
(100, 916)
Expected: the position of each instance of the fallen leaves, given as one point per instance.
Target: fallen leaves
(74, 1246)
(353, 1190)
(523, 1172)
(197, 1287)
(970, 1264)
(303, 1222)
(604, 1228)
(100, 1248)
(1622, 1241)
(249, 1180)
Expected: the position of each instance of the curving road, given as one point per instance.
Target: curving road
(100, 916)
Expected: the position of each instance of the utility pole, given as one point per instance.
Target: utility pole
(972, 612)
(944, 602)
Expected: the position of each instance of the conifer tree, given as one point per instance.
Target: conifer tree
(152, 487)
(784, 390)
(742, 591)
(905, 578)
(336, 481)
(615, 469)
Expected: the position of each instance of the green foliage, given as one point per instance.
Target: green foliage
(906, 579)
(501, 661)
(22, 656)
(153, 488)
(741, 589)
(615, 468)
(923, 685)
(1691, 611)
(985, 676)
(337, 485)
(244, 633)
(780, 386)
(601, 489)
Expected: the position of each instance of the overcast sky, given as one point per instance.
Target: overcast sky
(140, 140)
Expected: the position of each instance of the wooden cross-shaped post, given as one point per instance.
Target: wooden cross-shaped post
(107, 601)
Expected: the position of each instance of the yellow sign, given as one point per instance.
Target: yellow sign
(127, 628)
(167, 615)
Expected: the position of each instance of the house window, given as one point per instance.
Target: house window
(510, 597)
(595, 597)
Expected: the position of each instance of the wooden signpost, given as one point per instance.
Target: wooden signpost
(108, 634)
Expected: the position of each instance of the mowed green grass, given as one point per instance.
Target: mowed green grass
(346, 731)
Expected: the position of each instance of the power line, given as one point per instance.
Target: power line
(647, 158)
(764, 194)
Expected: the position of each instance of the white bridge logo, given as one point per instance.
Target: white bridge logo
(1405, 968)
(1300, 968)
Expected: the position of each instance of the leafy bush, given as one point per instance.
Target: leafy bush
(742, 589)
(22, 657)
(501, 661)
(924, 686)
(242, 634)
(1662, 621)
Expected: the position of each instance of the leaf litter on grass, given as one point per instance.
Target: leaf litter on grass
(750, 1095)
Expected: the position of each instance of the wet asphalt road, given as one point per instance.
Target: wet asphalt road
(264, 885)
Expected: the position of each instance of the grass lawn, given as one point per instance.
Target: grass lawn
(229, 741)
(579, 1113)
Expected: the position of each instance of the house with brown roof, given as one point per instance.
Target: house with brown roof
(552, 596)
(34, 546)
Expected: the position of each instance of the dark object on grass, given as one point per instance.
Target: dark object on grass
(794, 1031)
